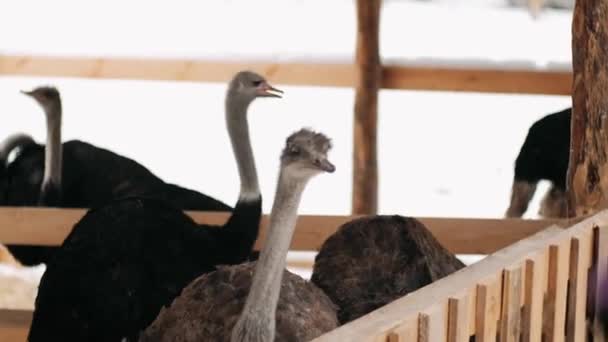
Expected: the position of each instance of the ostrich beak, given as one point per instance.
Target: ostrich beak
(325, 165)
(266, 90)
(28, 93)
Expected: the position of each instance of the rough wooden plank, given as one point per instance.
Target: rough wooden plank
(50, 226)
(365, 125)
(555, 305)
(535, 270)
(458, 317)
(488, 309)
(580, 261)
(395, 76)
(510, 319)
(588, 168)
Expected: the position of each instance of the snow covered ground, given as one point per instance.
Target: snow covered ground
(440, 154)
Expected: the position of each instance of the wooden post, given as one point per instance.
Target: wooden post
(368, 78)
(588, 169)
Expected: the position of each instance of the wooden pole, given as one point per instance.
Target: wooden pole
(588, 169)
(368, 79)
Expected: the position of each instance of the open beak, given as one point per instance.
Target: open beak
(266, 90)
(325, 165)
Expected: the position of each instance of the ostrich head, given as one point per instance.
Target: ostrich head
(47, 97)
(248, 85)
(305, 154)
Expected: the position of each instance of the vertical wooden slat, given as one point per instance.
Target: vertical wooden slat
(600, 253)
(405, 333)
(369, 75)
(535, 269)
(433, 323)
(555, 306)
(580, 260)
(510, 328)
(487, 310)
(458, 317)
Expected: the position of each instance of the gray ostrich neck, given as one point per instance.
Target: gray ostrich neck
(264, 293)
(52, 156)
(238, 129)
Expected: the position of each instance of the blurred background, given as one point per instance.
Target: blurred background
(440, 153)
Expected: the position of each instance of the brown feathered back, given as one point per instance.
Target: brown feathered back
(210, 306)
(371, 261)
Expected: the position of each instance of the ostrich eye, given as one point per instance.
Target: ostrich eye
(294, 150)
(257, 83)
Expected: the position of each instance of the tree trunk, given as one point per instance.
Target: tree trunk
(588, 169)
(369, 73)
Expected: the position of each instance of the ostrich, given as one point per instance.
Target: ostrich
(257, 301)
(544, 155)
(86, 176)
(124, 261)
(371, 261)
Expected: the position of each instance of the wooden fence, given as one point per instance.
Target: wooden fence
(537, 287)
(528, 260)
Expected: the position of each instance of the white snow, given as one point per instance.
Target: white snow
(440, 154)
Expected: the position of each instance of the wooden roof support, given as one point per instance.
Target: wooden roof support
(588, 169)
(368, 79)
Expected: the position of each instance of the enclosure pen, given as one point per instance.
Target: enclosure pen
(539, 280)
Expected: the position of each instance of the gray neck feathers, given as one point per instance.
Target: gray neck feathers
(261, 304)
(238, 129)
(53, 150)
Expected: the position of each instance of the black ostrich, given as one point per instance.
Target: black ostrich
(544, 155)
(124, 261)
(76, 174)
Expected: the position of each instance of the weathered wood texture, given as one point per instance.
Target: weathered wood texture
(50, 226)
(394, 76)
(369, 76)
(588, 171)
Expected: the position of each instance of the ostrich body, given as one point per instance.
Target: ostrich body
(544, 155)
(17, 141)
(12, 142)
(371, 261)
(261, 301)
(124, 261)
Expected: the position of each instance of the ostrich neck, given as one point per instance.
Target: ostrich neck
(265, 288)
(52, 156)
(238, 129)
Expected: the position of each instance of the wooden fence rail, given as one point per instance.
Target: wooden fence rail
(50, 226)
(394, 76)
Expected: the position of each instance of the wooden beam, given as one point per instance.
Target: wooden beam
(588, 169)
(365, 125)
(50, 226)
(394, 76)
(481, 80)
